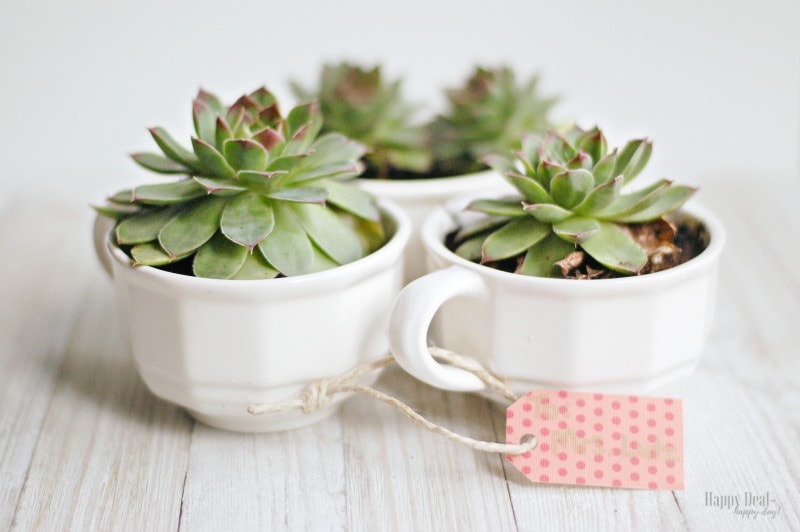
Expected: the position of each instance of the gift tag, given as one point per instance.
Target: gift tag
(597, 439)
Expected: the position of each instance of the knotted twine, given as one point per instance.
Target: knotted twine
(317, 394)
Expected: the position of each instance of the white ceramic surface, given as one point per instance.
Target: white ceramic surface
(627, 335)
(216, 346)
(419, 197)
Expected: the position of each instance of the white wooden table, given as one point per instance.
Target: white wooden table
(85, 446)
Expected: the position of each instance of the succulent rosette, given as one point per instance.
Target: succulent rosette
(261, 195)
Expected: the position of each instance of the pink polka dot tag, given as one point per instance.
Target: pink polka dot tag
(599, 439)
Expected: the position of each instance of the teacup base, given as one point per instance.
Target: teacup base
(275, 422)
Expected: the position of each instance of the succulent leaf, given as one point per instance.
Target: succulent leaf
(145, 227)
(245, 154)
(531, 190)
(173, 150)
(151, 254)
(513, 238)
(212, 161)
(671, 199)
(571, 187)
(511, 207)
(633, 158)
(350, 199)
(247, 220)
(329, 232)
(159, 163)
(168, 193)
(600, 197)
(547, 212)
(576, 229)
(219, 258)
(540, 259)
(192, 227)
(255, 266)
(288, 247)
(614, 249)
(301, 194)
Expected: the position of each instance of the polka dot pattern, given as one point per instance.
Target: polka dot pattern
(599, 439)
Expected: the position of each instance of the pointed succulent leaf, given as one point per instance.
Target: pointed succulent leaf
(530, 150)
(144, 227)
(329, 232)
(510, 207)
(173, 150)
(151, 254)
(116, 211)
(471, 249)
(600, 197)
(270, 139)
(671, 199)
(245, 154)
(247, 219)
(255, 266)
(287, 248)
(168, 193)
(540, 259)
(594, 144)
(576, 229)
(205, 121)
(122, 197)
(514, 238)
(321, 261)
(159, 163)
(483, 225)
(582, 160)
(531, 190)
(304, 122)
(193, 227)
(604, 169)
(633, 158)
(286, 163)
(215, 185)
(352, 199)
(547, 171)
(571, 187)
(211, 101)
(222, 133)
(261, 182)
(213, 164)
(301, 194)
(219, 258)
(547, 212)
(635, 201)
(614, 249)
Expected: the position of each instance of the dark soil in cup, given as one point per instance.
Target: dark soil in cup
(668, 243)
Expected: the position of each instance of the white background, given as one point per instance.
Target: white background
(715, 83)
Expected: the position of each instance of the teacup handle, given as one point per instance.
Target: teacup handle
(411, 318)
(102, 227)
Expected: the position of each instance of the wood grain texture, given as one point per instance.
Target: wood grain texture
(84, 445)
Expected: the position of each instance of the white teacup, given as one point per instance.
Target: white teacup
(626, 335)
(216, 346)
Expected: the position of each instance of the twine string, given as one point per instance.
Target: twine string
(317, 394)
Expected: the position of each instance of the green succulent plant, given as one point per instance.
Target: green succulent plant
(487, 115)
(571, 197)
(262, 195)
(363, 106)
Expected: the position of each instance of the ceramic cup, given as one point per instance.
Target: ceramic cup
(626, 335)
(419, 197)
(216, 346)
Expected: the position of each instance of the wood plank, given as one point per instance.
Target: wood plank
(291, 480)
(44, 274)
(402, 477)
(110, 455)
